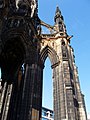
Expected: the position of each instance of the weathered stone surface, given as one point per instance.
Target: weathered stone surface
(23, 51)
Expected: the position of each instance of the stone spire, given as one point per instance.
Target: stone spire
(59, 21)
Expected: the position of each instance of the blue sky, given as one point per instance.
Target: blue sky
(76, 15)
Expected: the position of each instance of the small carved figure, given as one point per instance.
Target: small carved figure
(64, 50)
(39, 29)
(33, 7)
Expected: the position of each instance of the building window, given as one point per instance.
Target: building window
(47, 114)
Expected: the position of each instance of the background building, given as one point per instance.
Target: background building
(47, 114)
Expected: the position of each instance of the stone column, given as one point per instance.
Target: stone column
(58, 92)
(31, 96)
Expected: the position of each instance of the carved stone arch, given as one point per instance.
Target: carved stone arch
(51, 53)
(12, 55)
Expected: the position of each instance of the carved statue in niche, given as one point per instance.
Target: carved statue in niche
(60, 26)
(64, 50)
(39, 29)
(22, 7)
(32, 4)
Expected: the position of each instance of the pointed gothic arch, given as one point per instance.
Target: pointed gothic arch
(48, 51)
(12, 56)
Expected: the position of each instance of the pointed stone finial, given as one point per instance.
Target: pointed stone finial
(58, 14)
(59, 21)
(58, 10)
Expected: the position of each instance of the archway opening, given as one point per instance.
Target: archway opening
(11, 58)
(47, 101)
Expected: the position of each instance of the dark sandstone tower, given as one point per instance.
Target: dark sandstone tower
(23, 51)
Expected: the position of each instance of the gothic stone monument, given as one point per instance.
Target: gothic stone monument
(23, 51)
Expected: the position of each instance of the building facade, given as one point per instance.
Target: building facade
(47, 114)
(23, 51)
